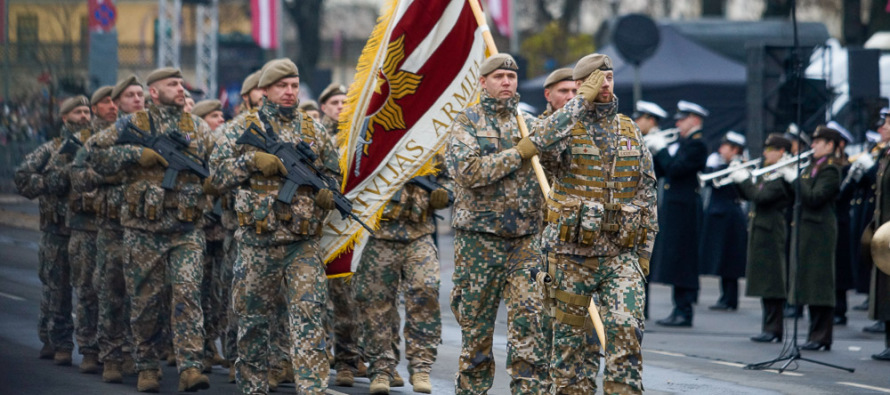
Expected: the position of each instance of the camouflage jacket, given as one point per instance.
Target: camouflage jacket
(408, 215)
(494, 192)
(262, 219)
(36, 178)
(80, 214)
(148, 206)
(603, 199)
(107, 191)
(331, 125)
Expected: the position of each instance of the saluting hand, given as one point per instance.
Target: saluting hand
(590, 88)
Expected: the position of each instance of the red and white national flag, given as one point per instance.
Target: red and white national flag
(419, 68)
(264, 18)
(500, 14)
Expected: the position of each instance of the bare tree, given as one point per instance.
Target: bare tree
(306, 14)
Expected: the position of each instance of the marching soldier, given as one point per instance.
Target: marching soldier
(601, 225)
(676, 253)
(310, 107)
(251, 94)
(770, 196)
(104, 109)
(331, 100)
(647, 115)
(497, 219)
(559, 88)
(879, 295)
(276, 241)
(723, 228)
(162, 230)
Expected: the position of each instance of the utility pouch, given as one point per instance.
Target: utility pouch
(154, 202)
(568, 220)
(591, 220)
(629, 218)
(135, 198)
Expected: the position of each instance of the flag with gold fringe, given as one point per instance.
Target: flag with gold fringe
(419, 68)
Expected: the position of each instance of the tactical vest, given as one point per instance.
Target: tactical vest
(83, 202)
(590, 209)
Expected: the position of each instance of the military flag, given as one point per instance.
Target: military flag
(264, 21)
(419, 68)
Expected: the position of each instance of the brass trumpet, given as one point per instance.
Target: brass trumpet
(721, 177)
(782, 163)
(670, 135)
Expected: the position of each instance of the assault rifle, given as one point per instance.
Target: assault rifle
(173, 147)
(298, 159)
(70, 146)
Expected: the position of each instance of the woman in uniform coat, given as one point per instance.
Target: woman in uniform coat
(770, 196)
(879, 294)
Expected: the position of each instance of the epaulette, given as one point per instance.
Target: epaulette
(696, 135)
(626, 127)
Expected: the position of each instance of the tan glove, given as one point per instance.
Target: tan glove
(590, 88)
(151, 158)
(526, 148)
(325, 199)
(268, 164)
(439, 199)
(209, 189)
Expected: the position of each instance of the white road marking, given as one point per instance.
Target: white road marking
(733, 364)
(672, 354)
(10, 296)
(868, 387)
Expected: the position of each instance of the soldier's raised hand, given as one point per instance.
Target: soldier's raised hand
(268, 164)
(590, 88)
(151, 158)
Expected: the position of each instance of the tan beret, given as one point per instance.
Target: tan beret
(100, 94)
(558, 75)
(501, 61)
(162, 73)
(277, 69)
(589, 63)
(308, 105)
(73, 102)
(123, 84)
(331, 91)
(205, 107)
(250, 83)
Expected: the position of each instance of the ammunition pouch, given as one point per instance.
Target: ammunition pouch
(258, 207)
(554, 294)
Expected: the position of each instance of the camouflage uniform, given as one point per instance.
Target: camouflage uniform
(211, 288)
(33, 179)
(601, 224)
(164, 235)
(497, 218)
(401, 253)
(228, 324)
(113, 327)
(275, 243)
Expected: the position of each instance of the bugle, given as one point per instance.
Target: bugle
(721, 177)
(782, 163)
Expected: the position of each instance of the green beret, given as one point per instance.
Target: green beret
(123, 84)
(100, 94)
(162, 73)
(308, 105)
(331, 91)
(205, 107)
(250, 83)
(558, 75)
(277, 69)
(73, 102)
(501, 61)
(589, 63)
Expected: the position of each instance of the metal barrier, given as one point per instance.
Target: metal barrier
(11, 156)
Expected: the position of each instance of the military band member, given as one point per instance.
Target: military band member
(879, 294)
(497, 219)
(276, 241)
(559, 88)
(770, 196)
(162, 231)
(723, 229)
(676, 253)
(601, 225)
(647, 116)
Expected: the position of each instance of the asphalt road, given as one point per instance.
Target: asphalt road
(706, 359)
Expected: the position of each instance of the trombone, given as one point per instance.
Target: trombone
(782, 163)
(721, 177)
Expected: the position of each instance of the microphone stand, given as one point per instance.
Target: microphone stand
(792, 353)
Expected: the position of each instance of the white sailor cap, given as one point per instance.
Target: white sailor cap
(842, 130)
(793, 132)
(872, 136)
(650, 108)
(685, 108)
(736, 138)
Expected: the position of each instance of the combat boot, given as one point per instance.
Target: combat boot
(216, 358)
(362, 370)
(192, 380)
(287, 373)
(47, 352)
(148, 381)
(397, 381)
(128, 367)
(273, 377)
(171, 359)
(380, 384)
(62, 358)
(90, 363)
(208, 365)
(111, 372)
(232, 374)
(345, 378)
(421, 382)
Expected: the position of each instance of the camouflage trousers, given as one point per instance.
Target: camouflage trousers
(114, 334)
(341, 324)
(487, 268)
(230, 337)
(616, 283)
(384, 267)
(156, 260)
(258, 276)
(212, 302)
(55, 304)
(82, 255)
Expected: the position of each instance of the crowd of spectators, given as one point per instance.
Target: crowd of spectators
(25, 119)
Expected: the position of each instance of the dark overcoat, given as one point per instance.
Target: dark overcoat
(723, 247)
(770, 198)
(879, 293)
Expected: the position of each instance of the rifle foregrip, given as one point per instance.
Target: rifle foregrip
(169, 178)
(287, 191)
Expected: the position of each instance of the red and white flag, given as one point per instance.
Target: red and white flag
(500, 14)
(418, 70)
(264, 18)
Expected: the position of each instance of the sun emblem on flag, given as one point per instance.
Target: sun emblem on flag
(391, 84)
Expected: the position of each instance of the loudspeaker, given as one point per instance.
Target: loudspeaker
(864, 73)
